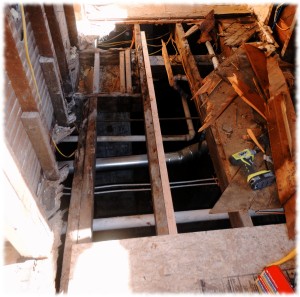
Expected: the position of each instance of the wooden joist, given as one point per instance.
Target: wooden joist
(161, 192)
(39, 138)
(167, 64)
(16, 72)
(61, 41)
(55, 91)
(163, 13)
(71, 24)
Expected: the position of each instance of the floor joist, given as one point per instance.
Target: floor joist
(161, 193)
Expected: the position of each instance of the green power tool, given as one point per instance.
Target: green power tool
(257, 180)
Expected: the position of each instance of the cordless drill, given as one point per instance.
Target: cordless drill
(257, 180)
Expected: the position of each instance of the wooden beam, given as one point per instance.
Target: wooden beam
(96, 77)
(187, 59)
(39, 138)
(71, 24)
(167, 64)
(26, 229)
(56, 94)
(122, 72)
(161, 193)
(41, 31)
(85, 226)
(16, 72)
(82, 184)
(60, 42)
(128, 71)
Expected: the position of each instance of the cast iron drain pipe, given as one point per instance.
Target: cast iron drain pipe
(134, 161)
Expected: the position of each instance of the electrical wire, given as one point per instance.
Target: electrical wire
(282, 28)
(116, 35)
(32, 71)
(292, 254)
(148, 184)
(148, 189)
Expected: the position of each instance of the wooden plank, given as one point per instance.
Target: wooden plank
(85, 229)
(240, 219)
(56, 94)
(175, 264)
(161, 193)
(16, 72)
(289, 35)
(39, 138)
(71, 24)
(96, 76)
(187, 59)
(122, 72)
(167, 64)
(27, 229)
(74, 208)
(138, 13)
(128, 71)
(60, 48)
(243, 34)
(40, 28)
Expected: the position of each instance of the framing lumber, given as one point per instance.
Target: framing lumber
(41, 31)
(16, 72)
(167, 64)
(161, 192)
(122, 72)
(71, 24)
(96, 77)
(166, 13)
(60, 49)
(27, 230)
(82, 194)
(39, 139)
(56, 94)
(128, 71)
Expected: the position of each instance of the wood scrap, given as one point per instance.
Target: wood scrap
(206, 28)
(250, 97)
(253, 137)
(243, 34)
(167, 64)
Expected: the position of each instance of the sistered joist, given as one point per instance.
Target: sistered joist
(122, 72)
(161, 193)
(128, 71)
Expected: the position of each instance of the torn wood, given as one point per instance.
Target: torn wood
(243, 34)
(192, 30)
(207, 27)
(250, 97)
(258, 61)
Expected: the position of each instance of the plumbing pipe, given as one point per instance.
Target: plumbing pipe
(133, 161)
(212, 52)
(185, 106)
(190, 216)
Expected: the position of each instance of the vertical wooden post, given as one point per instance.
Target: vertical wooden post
(128, 71)
(39, 138)
(161, 193)
(71, 24)
(96, 78)
(122, 72)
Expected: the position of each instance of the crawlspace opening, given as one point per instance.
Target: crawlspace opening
(125, 191)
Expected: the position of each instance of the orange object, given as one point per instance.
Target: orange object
(273, 280)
